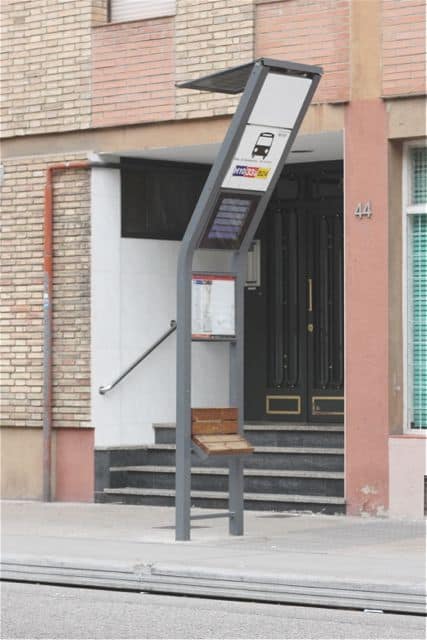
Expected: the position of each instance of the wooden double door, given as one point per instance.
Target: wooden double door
(294, 314)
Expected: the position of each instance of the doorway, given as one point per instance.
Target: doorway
(294, 313)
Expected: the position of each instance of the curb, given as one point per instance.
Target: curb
(220, 583)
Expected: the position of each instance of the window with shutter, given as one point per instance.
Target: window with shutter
(123, 10)
(417, 290)
(158, 198)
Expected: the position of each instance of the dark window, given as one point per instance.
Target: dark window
(158, 198)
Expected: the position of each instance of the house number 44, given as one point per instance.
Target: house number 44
(363, 210)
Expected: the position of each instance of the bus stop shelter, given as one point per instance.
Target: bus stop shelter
(275, 97)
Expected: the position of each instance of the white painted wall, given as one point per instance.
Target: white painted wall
(133, 300)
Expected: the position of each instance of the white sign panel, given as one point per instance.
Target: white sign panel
(257, 157)
(213, 306)
(280, 100)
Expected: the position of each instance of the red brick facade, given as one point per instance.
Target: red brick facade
(316, 31)
(133, 72)
(404, 47)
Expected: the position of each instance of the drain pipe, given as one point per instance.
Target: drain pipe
(47, 310)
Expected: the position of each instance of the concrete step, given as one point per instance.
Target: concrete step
(304, 458)
(219, 500)
(318, 483)
(276, 435)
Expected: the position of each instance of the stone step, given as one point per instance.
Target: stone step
(270, 481)
(294, 463)
(219, 500)
(304, 458)
(280, 435)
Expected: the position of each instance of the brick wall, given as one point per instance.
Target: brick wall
(21, 267)
(133, 72)
(404, 47)
(49, 72)
(136, 64)
(45, 58)
(312, 31)
(71, 299)
(99, 12)
(210, 36)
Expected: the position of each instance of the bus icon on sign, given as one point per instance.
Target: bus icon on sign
(263, 145)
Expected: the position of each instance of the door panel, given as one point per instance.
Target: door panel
(294, 320)
(325, 345)
(285, 379)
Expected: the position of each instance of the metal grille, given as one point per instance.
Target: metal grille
(419, 175)
(419, 319)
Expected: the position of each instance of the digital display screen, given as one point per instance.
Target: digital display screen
(229, 221)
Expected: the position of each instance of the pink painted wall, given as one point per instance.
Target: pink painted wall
(366, 308)
(74, 469)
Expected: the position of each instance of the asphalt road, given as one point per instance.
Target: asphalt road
(41, 611)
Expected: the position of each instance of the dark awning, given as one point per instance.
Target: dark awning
(234, 80)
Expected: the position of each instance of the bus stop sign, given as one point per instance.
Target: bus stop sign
(276, 96)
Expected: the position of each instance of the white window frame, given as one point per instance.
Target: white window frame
(408, 210)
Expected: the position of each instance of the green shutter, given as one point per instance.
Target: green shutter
(418, 290)
(419, 175)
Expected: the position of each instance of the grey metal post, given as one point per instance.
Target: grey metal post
(183, 391)
(236, 470)
(190, 242)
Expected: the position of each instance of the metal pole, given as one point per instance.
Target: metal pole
(236, 475)
(183, 393)
(47, 335)
(105, 389)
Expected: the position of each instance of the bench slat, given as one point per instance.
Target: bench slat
(226, 444)
(214, 415)
(220, 437)
(214, 427)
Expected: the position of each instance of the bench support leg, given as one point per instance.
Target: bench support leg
(236, 481)
(183, 400)
(235, 501)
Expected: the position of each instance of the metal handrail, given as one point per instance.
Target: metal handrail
(104, 390)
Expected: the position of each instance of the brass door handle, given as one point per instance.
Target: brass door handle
(310, 294)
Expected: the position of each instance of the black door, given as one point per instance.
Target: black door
(294, 353)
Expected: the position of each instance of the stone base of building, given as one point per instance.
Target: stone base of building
(21, 451)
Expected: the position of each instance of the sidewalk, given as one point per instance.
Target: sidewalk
(306, 559)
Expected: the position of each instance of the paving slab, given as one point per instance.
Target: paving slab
(305, 558)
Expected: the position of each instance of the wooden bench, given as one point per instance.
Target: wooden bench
(215, 433)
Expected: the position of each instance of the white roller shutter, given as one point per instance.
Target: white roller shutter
(122, 10)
